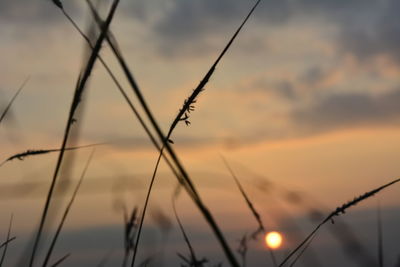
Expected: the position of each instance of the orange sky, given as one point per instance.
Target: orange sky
(306, 99)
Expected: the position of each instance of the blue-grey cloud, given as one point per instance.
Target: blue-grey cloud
(378, 35)
(348, 110)
(365, 27)
(183, 24)
(33, 12)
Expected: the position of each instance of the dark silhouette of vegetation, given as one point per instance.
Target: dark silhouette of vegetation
(3, 256)
(67, 209)
(134, 221)
(8, 107)
(330, 218)
(36, 152)
(81, 83)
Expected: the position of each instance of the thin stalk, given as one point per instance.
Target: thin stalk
(186, 181)
(185, 237)
(380, 235)
(187, 107)
(302, 251)
(120, 88)
(3, 256)
(5, 111)
(35, 152)
(5, 243)
(60, 260)
(77, 98)
(339, 210)
(256, 215)
(64, 217)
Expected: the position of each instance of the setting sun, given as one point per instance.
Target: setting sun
(273, 240)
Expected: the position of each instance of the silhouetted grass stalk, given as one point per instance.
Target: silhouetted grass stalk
(5, 243)
(35, 152)
(380, 236)
(76, 99)
(67, 209)
(129, 234)
(61, 260)
(185, 237)
(117, 83)
(340, 210)
(183, 115)
(3, 256)
(183, 177)
(256, 215)
(5, 111)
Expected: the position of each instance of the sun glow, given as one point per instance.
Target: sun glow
(273, 240)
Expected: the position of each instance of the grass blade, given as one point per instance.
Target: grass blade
(183, 115)
(7, 241)
(5, 111)
(246, 198)
(188, 185)
(77, 98)
(64, 217)
(129, 233)
(117, 83)
(185, 237)
(339, 210)
(256, 215)
(380, 236)
(60, 260)
(3, 256)
(35, 152)
(187, 107)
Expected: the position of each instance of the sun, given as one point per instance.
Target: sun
(273, 240)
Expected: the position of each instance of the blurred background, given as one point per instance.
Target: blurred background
(304, 107)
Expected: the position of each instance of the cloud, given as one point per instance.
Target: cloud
(32, 12)
(365, 28)
(381, 37)
(347, 110)
(196, 24)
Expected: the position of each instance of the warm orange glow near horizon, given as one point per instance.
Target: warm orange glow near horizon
(273, 240)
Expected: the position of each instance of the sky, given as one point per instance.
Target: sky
(305, 101)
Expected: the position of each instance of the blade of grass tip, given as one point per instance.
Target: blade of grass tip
(120, 88)
(244, 195)
(380, 235)
(67, 209)
(185, 237)
(60, 260)
(187, 107)
(3, 256)
(7, 241)
(77, 98)
(339, 210)
(4, 113)
(188, 184)
(250, 205)
(35, 152)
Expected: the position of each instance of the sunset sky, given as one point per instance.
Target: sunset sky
(306, 102)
